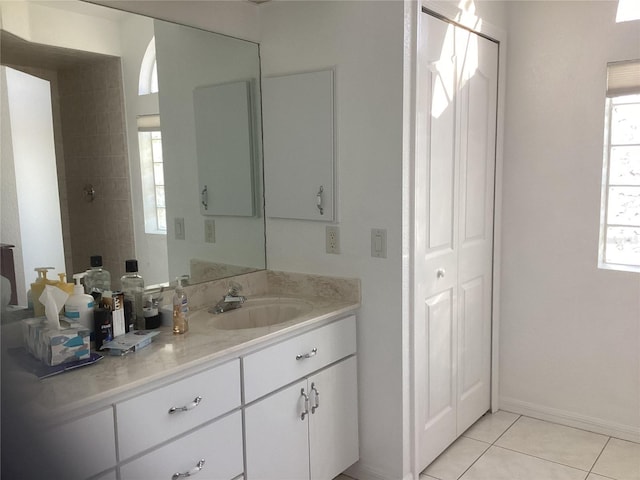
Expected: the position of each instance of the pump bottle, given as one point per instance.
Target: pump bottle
(180, 308)
(78, 308)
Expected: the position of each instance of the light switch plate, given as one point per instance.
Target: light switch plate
(379, 242)
(179, 228)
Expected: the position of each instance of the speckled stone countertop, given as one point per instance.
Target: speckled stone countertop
(172, 356)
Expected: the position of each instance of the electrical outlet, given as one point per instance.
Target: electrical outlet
(179, 228)
(209, 230)
(332, 239)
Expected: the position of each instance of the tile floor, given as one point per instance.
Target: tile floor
(506, 446)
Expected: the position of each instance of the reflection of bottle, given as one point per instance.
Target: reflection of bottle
(180, 308)
(133, 288)
(97, 280)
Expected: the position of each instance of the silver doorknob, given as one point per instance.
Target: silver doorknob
(440, 273)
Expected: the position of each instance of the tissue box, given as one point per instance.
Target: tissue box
(53, 346)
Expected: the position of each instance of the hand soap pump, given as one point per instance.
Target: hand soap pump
(78, 308)
(180, 308)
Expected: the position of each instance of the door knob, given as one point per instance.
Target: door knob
(440, 273)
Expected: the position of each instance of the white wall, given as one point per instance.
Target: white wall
(570, 333)
(30, 122)
(229, 17)
(151, 249)
(364, 42)
(60, 27)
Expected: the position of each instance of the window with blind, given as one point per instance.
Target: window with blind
(619, 247)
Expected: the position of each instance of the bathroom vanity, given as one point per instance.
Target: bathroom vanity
(224, 401)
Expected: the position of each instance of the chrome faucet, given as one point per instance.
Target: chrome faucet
(230, 301)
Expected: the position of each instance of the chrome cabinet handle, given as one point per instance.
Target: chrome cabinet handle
(192, 405)
(204, 198)
(191, 472)
(316, 398)
(310, 354)
(305, 397)
(319, 200)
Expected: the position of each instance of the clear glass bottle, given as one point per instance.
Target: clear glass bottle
(132, 286)
(98, 279)
(180, 308)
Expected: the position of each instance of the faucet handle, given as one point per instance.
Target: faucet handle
(234, 289)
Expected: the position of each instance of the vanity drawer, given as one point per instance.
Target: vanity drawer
(145, 421)
(273, 367)
(83, 447)
(218, 444)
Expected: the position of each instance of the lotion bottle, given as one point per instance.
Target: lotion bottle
(79, 306)
(180, 309)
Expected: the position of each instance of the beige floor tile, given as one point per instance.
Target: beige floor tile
(456, 459)
(620, 460)
(343, 477)
(491, 426)
(549, 441)
(501, 464)
(594, 476)
(424, 476)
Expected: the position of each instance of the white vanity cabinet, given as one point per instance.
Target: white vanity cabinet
(309, 428)
(213, 452)
(151, 418)
(213, 449)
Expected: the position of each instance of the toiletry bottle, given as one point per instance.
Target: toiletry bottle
(180, 308)
(63, 285)
(133, 288)
(79, 307)
(37, 287)
(98, 279)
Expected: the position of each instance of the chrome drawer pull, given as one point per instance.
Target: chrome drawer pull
(194, 404)
(193, 471)
(316, 398)
(312, 353)
(306, 404)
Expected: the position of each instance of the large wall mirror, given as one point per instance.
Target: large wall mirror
(137, 107)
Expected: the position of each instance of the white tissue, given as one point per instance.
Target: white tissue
(53, 300)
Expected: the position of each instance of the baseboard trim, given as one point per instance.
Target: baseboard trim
(570, 419)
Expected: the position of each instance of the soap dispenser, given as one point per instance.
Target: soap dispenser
(180, 308)
(78, 308)
(37, 287)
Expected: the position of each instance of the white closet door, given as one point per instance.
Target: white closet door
(477, 59)
(455, 161)
(436, 238)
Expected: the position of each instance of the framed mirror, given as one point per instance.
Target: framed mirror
(125, 122)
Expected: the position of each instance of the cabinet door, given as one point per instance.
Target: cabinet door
(333, 423)
(219, 444)
(298, 145)
(277, 445)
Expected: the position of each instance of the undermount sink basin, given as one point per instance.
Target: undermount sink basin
(262, 312)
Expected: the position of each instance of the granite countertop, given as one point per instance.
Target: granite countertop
(170, 356)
